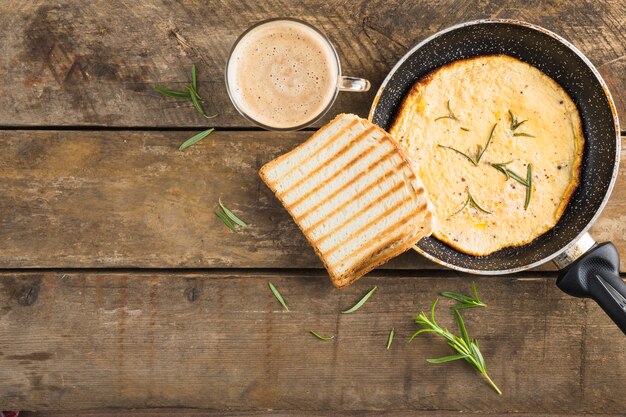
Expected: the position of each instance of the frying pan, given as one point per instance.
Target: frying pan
(587, 269)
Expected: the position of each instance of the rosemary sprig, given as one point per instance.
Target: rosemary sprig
(464, 300)
(233, 222)
(509, 174)
(173, 93)
(480, 151)
(360, 303)
(529, 187)
(226, 221)
(465, 348)
(319, 336)
(466, 156)
(195, 138)
(191, 93)
(450, 114)
(470, 200)
(279, 297)
(232, 216)
(528, 182)
(392, 333)
(515, 124)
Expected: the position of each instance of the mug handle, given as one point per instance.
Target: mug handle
(354, 84)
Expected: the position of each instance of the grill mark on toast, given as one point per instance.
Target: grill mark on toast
(371, 204)
(382, 159)
(383, 177)
(350, 163)
(328, 161)
(388, 239)
(361, 229)
(341, 131)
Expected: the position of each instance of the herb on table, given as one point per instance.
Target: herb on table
(480, 151)
(515, 124)
(450, 114)
(528, 182)
(465, 348)
(392, 333)
(233, 222)
(279, 297)
(320, 336)
(472, 203)
(361, 302)
(192, 95)
(195, 138)
(464, 300)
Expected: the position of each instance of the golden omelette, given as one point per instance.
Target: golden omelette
(474, 127)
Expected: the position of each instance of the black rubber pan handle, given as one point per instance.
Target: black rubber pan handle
(596, 275)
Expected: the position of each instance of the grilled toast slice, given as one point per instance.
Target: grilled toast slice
(354, 194)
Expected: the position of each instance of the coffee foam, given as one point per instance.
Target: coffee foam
(282, 74)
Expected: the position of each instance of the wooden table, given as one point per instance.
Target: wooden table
(120, 288)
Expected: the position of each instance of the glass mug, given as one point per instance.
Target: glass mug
(284, 74)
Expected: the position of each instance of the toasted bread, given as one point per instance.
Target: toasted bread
(354, 194)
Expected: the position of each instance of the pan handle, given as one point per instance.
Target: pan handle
(596, 275)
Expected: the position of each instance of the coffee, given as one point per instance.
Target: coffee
(283, 74)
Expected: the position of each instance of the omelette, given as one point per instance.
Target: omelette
(499, 146)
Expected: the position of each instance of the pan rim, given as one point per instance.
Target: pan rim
(607, 93)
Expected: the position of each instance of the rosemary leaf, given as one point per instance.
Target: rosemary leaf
(450, 114)
(523, 134)
(392, 332)
(196, 102)
(361, 302)
(514, 123)
(481, 152)
(172, 93)
(195, 138)
(474, 204)
(529, 185)
(461, 324)
(320, 336)
(445, 359)
(465, 129)
(278, 296)
(462, 207)
(226, 221)
(509, 174)
(466, 156)
(194, 78)
(464, 300)
(232, 216)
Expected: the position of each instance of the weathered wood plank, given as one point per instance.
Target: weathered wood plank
(95, 63)
(220, 340)
(275, 413)
(131, 199)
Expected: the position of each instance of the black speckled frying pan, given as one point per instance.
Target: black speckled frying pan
(587, 269)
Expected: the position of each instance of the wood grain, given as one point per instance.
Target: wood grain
(168, 412)
(131, 199)
(220, 340)
(95, 63)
